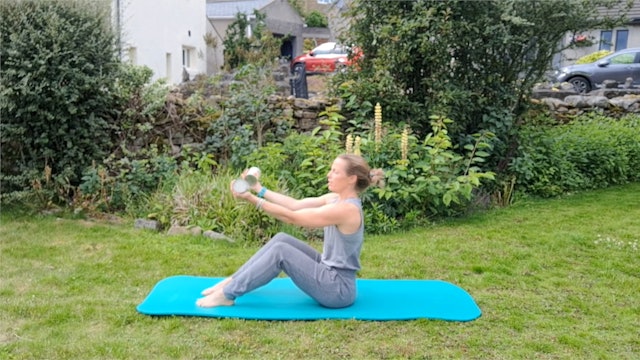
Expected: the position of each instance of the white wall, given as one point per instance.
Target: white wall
(215, 55)
(155, 32)
(569, 56)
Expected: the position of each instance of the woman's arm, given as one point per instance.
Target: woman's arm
(344, 215)
(287, 201)
(295, 204)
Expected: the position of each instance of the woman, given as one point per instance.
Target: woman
(328, 277)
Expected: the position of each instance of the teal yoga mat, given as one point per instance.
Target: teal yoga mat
(378, 300)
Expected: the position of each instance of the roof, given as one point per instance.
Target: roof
(229, 9)
(633, 14)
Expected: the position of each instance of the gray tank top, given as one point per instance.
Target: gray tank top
(340, 250)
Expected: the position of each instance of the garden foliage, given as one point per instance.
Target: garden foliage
(246, 120)
(425, 179)
(123, 183)
(474, 62)
(591, 152)
(316, 19)
(79, 122)
(240, 49)
(57, 64)
(201, 197)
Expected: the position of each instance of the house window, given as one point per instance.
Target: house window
(606, 40)
(168, 65)
(621, 39)
(187, 55)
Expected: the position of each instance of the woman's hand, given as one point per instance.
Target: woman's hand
(255, 187)
(243, 195)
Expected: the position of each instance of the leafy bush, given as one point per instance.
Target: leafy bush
(301, 162)
(308, 45)
(141, 106)
(357, 106)
(123, 183)
(591, 152)
(316, 19)
(247, 121)
(475, 62)
(259, 48)
(426, 178)
(201, 197)
(57, 85)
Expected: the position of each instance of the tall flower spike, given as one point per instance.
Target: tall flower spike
(404, 143)
(349, 144)
(378, 125)
(356, 146)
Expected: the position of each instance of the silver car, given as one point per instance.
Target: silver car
(618, 66)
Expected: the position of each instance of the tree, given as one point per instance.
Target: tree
(57, 65)
(317, 19)
(472, 61)
(249, 41)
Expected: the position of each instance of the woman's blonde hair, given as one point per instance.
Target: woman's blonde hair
(358, 166)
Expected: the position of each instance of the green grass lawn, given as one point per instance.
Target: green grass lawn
(555, 279)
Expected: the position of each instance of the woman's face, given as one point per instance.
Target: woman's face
(337, 178)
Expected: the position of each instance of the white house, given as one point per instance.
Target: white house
(183, 38)
(168, 36)
(622, 37)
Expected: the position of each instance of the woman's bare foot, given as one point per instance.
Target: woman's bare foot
(217, 298)
(220, 285)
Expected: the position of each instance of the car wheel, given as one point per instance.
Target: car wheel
(581, 84)
(298, 68)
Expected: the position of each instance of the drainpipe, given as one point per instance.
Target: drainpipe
(118, 29)
(249, 30)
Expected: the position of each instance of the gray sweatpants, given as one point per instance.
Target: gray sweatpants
(331, 287)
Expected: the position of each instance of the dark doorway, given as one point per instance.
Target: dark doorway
(286, 49)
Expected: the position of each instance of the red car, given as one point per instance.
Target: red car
(324, 58)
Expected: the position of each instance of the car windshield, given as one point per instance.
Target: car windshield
(326, 48)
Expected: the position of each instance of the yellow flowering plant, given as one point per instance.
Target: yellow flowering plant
(424, 178)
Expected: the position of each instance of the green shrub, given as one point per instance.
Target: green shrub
(425, 179)
(316, 19)
(247, 121)
(57, 65)
(141, 106)
(121, 184)
(202, 197)
(308, 45)
(301, 162)
(475, 62)
(591, 152)
(260, 48)
(431, 181)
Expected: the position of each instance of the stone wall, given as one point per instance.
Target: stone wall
(611, 99)
(563, 101)
(304, 112)
(177, 132)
